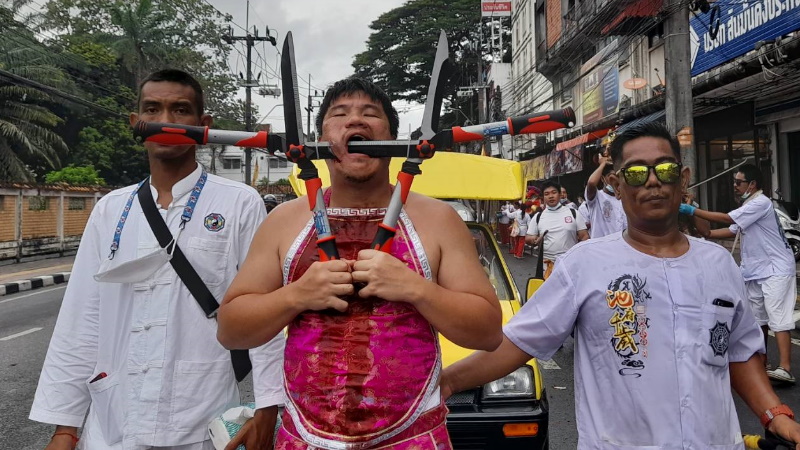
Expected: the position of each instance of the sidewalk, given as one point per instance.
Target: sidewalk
(17, 277)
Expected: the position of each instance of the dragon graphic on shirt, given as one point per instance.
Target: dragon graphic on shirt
(627, 299)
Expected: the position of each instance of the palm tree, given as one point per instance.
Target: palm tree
(26, 124)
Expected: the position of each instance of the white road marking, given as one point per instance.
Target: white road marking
(549, 365)
(796, 316)
(21, 333)
(33, 293)
(794, 340)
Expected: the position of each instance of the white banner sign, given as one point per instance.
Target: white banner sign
(493, 8)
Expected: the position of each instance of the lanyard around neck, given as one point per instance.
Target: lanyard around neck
(186, 216)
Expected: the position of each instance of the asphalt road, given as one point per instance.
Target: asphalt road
(27, 321)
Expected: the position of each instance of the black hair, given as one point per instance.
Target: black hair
(175, 76)
(549, 184)
(751, 173)
(350, 86)
(646, 129)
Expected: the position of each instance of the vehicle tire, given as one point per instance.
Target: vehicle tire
(795, 244)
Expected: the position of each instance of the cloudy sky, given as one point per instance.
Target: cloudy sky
(327, 35)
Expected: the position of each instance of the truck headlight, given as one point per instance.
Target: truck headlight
(517, 384)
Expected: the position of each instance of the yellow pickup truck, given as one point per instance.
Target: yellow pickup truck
(512, 412)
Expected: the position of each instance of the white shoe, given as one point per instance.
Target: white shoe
(781, 374)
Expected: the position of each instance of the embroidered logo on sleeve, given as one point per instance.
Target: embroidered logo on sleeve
(214, 222)
(627, 299)
(720, 337)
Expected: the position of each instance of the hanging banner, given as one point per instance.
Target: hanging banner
(561, 162)
(534, 169)
(741, 24)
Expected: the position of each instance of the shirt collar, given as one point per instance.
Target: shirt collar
(182, 187)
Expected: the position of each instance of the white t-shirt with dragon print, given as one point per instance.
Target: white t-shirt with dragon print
(653, 339)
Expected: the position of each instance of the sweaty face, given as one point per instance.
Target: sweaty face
(355, 117)
(166, 101)
(551, 196)
(654, 200)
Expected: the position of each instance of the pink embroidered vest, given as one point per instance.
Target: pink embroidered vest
(358, 378)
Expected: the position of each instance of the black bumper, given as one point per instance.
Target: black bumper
(480, 426)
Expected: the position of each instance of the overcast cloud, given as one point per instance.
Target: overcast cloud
(327, 35)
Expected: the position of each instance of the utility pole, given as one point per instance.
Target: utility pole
(678, 65)
(310, 108)
(249, 83)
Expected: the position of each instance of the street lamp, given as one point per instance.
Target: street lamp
(468, 122)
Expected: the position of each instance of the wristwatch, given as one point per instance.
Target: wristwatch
(770, 414)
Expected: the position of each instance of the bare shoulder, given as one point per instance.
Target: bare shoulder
(284, 222)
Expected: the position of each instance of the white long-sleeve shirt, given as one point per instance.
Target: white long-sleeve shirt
(167, 375)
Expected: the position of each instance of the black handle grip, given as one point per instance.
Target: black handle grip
(542, 122)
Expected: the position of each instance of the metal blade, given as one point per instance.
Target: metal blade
(291, 95)
(439, 76)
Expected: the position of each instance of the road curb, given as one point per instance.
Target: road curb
(14, 287)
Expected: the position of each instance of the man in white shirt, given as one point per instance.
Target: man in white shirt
(662, 330)
(565, 227)
(768, 264)
(605, 209)
(584, 210)
(565, 199)
(131, 345)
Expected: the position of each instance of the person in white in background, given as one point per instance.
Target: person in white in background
(605, 209)
(768, 264)
(584, 210)
(565, 199)
(565, 227)
(131, 344)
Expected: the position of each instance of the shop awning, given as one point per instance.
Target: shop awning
(629, 21)
(582, 139)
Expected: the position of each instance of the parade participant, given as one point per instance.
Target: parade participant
(605, 209)
(131, 344)
(583, 209)
(520, 215)
(362, 361)
(565, 227)
(270, 202)
(662, 334)
(565, 199)
(768, 264)
(504, 224)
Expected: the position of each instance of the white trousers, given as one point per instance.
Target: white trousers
(92, 439)
(772, 301)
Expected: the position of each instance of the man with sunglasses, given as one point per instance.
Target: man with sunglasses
(605, 209)
(768, 265)
(661, 332)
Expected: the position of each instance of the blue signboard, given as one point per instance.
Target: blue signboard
(742, 23)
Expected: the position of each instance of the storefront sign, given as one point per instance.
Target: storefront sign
(491, 8)
(600, 85)
(741, 25)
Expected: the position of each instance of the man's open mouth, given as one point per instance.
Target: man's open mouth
(356, 138)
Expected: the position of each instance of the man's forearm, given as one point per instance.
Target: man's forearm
(466, 319)
(713, 216)
(482, 367)
(750, 381)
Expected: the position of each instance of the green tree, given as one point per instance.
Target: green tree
(400, 51)
(28, 144)
(86, 176)
(147, 35)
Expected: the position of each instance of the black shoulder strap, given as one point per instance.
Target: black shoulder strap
(538, 216)
(574, 215)
(239, 358)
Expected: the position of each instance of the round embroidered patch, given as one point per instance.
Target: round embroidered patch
(720, 335)
(214, 222)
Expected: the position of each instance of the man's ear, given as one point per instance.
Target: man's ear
(686, 176)
(615, 182)
(133, 118)
(206, 120)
